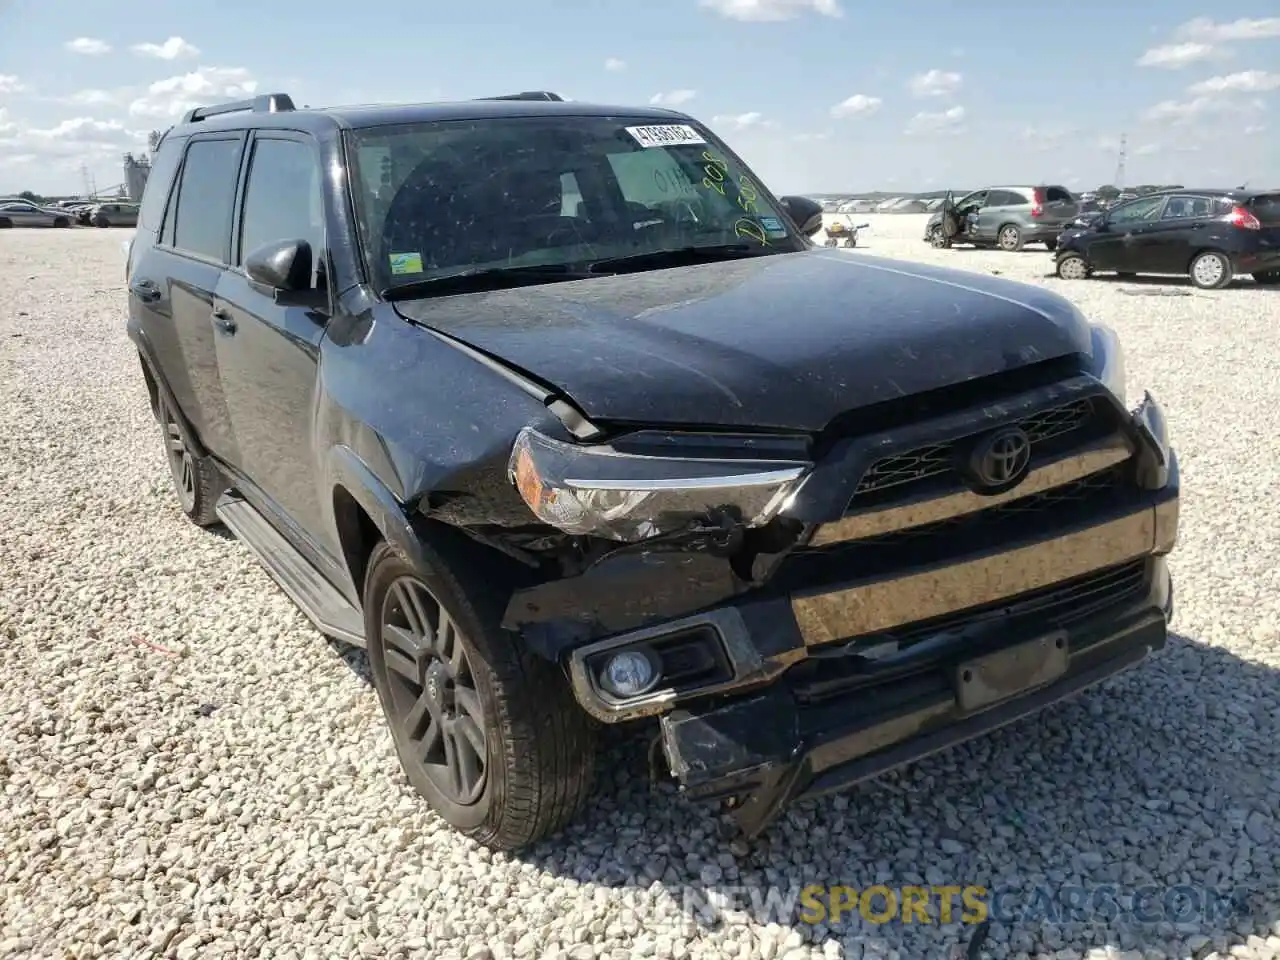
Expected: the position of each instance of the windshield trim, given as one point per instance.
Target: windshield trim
(355, 177)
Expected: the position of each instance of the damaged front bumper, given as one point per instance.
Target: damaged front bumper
(808, 687)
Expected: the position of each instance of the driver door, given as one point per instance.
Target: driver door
(1118, 244)
(967, 210)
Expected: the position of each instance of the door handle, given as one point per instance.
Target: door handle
(222, 320)
(146, 290)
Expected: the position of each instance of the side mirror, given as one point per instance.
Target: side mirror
(806, 213)
(283, 266)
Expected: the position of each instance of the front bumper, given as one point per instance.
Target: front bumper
(790, 708)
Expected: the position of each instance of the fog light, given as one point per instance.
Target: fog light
(629, 673)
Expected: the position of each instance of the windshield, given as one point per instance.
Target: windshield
(444, 198)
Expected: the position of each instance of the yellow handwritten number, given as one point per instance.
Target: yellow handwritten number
(747, 195)
(716, 185)
(749, 228)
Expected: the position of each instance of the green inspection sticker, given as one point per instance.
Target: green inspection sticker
(405, 263)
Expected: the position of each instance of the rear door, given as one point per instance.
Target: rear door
(1001, 207)
(191, 255)
(1167, 245)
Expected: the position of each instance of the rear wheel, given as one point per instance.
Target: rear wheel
(1051, 245)
(1267, 278)
(1210, 270)
(5, 223)
(62, 222)
(195, 479)
(1010, 238)
(485, 730)
(1072, 266)
(101, 221)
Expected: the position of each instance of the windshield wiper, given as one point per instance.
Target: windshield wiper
(485, 278)
(677, 257)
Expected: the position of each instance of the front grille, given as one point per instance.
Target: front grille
(1048, 428)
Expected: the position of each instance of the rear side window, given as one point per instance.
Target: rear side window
(1266, 208)
(202, 212)
(156, 192)
(1057, 195)
(1187, 208)
(282, 200)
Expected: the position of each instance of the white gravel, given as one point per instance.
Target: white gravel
(188, 770)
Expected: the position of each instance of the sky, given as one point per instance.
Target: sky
(817, 95)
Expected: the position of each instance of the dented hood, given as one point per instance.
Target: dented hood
(786, 341)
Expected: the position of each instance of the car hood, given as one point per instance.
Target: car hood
(785, 341)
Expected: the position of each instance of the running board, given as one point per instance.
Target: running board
(331, 612)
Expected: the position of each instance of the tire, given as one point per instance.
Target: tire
(935, 238)
(5, 223)
(101, 221)
(1210, 270)
(832, 242)
(1267, 278)
(1051, 245)
(1072, 266)
(196, 481)
(537, 742)
(1009, 238)
(62, 222)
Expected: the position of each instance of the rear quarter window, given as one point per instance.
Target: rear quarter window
(1057, 195)
(159, 182)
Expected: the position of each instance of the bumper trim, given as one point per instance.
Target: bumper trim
(885, 604)
(1063, 470)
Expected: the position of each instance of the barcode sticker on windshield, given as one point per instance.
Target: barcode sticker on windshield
(666, 135)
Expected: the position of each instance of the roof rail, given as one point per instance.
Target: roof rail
(266, 103)
(529, 95)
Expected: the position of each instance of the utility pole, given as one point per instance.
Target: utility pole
(1118, 179)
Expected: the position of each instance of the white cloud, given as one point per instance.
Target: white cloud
(859, 105)
(88, 46)
(674, 98)
(613, 64)
(171, 49)
(171, 97)
(1146, 149)
(91, 98)
(1204, 28)
(935, 83)
(5, 124)
(762, 11)
(1048, 137)
(85, 130)
(1253, 129)
(948, 121)
(9, 84)
(1247, 81)
(1175, 56)
(1180, 111)
(741, 121)
(812, 137)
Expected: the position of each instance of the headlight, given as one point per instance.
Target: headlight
(1108, 360)
(598, 491)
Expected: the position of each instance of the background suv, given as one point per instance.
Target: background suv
(1010, 217)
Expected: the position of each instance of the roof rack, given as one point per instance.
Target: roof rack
(266, 103)
(529, 95)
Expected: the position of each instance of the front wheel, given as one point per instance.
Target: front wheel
(1010, 238)
(936, 237)
(62, 222)
(101, 221)
(1051, 245)
(1210, 270)
(1072, 266)
(485, 730)
(832, 241)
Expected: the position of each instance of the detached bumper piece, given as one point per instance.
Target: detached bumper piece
(799, 739)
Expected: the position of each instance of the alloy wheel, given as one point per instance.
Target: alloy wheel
(1073, 268)
(434, 701)
(1208, 270)
(1009, 238)
(181, 465)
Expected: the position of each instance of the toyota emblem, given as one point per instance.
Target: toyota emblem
(1001, 460)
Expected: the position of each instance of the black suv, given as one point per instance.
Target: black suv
(1211, 236)
(557, 410)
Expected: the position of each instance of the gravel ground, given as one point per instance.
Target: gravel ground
(188, 770)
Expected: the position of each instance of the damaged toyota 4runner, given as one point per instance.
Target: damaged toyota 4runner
(556, 410)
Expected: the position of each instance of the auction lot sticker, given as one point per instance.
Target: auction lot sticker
(665, 135)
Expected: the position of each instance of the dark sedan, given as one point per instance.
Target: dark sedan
(1212, 236)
